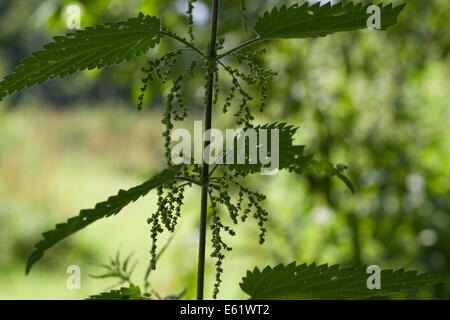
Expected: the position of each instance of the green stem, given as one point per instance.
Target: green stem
(205, 170)
(194, 181)
(183, 41)
(239, 47)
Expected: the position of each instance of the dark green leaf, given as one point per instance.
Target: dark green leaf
(329, 282)
(105, 209)
(131, 293)
(311, 21)
(291, 156)
(93, 47)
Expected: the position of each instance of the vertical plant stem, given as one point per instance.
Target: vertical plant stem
(205, 171)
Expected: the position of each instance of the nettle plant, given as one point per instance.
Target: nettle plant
(223, 184)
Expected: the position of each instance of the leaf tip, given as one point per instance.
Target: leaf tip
(32, 258)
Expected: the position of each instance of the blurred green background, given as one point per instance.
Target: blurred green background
(376, 101)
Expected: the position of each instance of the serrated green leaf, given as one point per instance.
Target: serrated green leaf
(311, 21)
(93, 47)
(105, 209)
(291, 156)
(329, 282)
(131, 293)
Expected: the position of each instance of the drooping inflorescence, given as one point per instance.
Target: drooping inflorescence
(244, 16)
(157, 69)
(257, 77)
(170, 201)
(175, 107)
(238, 211)
(190, 14)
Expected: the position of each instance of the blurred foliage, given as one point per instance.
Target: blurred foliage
(375, 101)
